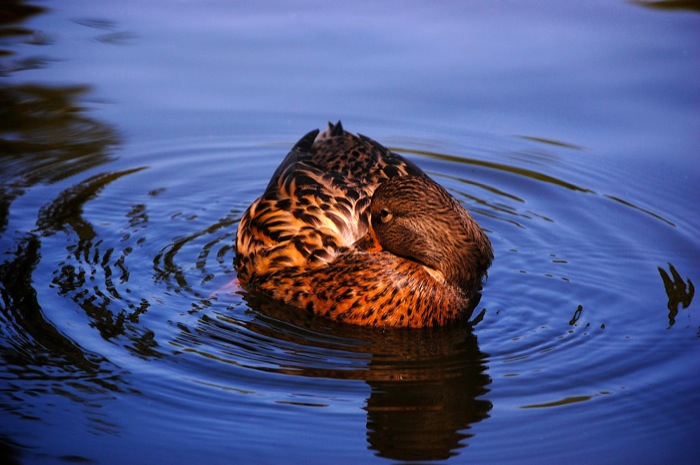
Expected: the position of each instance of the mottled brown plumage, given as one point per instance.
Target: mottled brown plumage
(349, 230)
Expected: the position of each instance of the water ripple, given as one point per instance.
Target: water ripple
(138, 261)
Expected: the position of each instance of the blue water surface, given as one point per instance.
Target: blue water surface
(134, 134)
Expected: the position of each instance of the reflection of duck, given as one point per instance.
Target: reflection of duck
(427, 388)
(349, 230)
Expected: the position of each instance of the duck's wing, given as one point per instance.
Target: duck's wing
(299, 153)
(316, 204)
(357, 158)
(354, 158)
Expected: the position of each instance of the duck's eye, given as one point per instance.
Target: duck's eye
(385, 215)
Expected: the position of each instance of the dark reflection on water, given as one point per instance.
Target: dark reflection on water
(165, 263)
(426, 386)
(424, 409)
(108, 309)
(36, 341)
(670, 5)
(680, 292)
(12, 14)
(46, 137)
(10, 451)
(45, 133)
(36, 352)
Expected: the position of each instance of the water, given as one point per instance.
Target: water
(134, 135)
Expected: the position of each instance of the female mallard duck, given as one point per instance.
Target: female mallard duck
(349, 230)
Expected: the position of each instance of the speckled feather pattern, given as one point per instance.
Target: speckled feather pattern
(309, 240)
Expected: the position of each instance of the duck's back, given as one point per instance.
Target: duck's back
(316, 204)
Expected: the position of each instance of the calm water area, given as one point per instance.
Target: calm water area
(134, 134)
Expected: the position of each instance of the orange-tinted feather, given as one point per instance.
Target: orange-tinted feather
(308, 239)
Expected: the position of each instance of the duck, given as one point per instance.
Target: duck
(349, 230)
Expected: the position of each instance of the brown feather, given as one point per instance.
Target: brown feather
(314, 238)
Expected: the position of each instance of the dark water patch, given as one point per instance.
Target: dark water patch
(680, 291)
(424, 386)
(670, 5)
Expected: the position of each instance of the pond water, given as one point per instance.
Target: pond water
(135, 134)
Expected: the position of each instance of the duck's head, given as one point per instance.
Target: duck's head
(416, 218)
